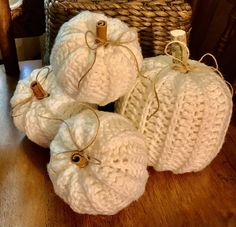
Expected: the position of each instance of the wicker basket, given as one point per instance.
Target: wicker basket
(153, 19)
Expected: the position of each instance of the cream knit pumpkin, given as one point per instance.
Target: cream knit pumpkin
(132, 104)
(114, 71)
(29, 113)
(195, 108)
(103, 188)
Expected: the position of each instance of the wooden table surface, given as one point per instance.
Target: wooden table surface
(27, 199)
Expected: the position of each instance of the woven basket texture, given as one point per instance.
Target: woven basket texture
(152, 19)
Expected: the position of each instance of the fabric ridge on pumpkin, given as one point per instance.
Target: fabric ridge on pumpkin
(103, 188)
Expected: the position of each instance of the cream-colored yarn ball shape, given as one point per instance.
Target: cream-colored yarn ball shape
(115, 69)
(37, 118)
(118, 179)
(188, 130)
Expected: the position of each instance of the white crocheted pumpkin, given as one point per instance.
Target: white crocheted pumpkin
(188, 130)
(115, 69)
(132, 104)
(115, 174)
(37, 117)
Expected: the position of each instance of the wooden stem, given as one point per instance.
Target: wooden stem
(7, 42)
(177, 50)
(101, 31)
(38, 90)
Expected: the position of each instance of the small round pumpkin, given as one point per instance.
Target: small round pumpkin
(39, 118)
(115, 68)
(194, 111)
(115, 173)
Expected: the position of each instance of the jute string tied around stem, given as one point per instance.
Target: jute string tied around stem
(185, 67)
(78, 156)
(104, 42)
(38, 91)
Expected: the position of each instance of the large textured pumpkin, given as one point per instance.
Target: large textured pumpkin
(37, 117)
(116, 171)
(115, 68)
(188, 130)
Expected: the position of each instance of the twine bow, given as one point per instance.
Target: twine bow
(185, 67)
(36, 87)
(104, 43)
(78, 156)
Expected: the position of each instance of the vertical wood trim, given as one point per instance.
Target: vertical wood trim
(227, 34)
(7, 42)
(202, 19)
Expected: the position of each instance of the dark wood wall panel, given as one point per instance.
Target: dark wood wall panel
(211, 21)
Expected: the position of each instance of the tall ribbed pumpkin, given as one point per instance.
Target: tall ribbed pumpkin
(186, 124)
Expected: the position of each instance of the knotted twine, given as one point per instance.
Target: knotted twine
(105, 42)
(79, 156)
(79, 153)
(185, 67)
(99, 43)
(19, 105)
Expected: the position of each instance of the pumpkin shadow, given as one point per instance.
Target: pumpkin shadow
(39, 156)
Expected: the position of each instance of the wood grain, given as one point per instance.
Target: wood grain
(27, 199)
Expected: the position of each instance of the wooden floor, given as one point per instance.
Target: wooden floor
(27, 199)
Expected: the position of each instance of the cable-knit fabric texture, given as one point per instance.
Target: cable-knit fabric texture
(103, 188)
(114, 71)
(188, 130)
(36, 117)
(132, 104)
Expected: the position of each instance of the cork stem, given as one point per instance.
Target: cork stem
(101, 31)
(38, 90)
(179, 51)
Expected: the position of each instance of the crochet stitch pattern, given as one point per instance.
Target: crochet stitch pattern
(103, 188)
(188, 130)
(114, 71)
(27, 114)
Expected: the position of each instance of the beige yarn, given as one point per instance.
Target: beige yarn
(28, 112)
(103, 188)
(188, 130)
(71, 59)
(132, 104)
